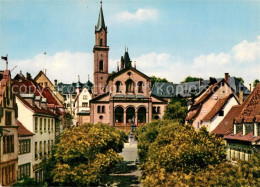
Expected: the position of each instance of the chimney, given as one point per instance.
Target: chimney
(28, 76)
(226, 76)
(241, 95)
(212, 80)
(250, 87)
(200, 81)
(55, 83)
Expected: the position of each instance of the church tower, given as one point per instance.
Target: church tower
(100, 51)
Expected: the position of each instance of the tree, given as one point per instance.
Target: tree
(256, 82)
(155, 79)
(176, 155)
(240, 79)
(191, 79)
(176, 110)
(85, 155)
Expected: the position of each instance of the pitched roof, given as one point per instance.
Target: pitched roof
(250, 108)
(196, 88)
(217, 107)
(101, 21)
(22, 131)
(247, 138)
(226, 125)
(193, 112)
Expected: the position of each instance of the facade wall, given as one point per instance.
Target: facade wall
(27, 157)
(84, 97)
(208, 105)
(217, 119)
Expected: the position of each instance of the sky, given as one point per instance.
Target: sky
(169, 39)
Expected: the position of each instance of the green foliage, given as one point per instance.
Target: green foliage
(240, 79)
(256, 82)
(176, 110)
(26, 181)
(177, 155)
(85, 155)
(191, 79)
(154, 79)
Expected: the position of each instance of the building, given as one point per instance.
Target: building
(8, 131)
(124, 97)
(77, 100)
(38, 114)
(210, 108)
(42, 79)
(190, 90)
(241, 128)
(26, 152)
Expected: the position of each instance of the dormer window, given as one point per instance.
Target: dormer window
(221, 113)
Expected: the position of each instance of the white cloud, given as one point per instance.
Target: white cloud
(66, 66)
(247, 51)
(63, 66)
(140, 15)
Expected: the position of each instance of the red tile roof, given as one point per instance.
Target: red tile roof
(193, 112)
(248, 137)
(250, 108)
(22, 131)
(218, 106)
(226, 125)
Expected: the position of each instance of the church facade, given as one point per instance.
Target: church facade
(124, 97)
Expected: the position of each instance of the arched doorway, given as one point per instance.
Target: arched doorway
(119, 116)
(141, 116)
(130, 115)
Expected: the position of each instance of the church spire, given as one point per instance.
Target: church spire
(101, 22)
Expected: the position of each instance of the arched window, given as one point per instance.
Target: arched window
(103, 109)
(101, 65)
(129, 86)
(100, 42)
(119, 115)
(118, 83)
(99, 109)
(140, 87)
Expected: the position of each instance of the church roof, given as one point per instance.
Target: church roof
(127, 60)
(101, 22)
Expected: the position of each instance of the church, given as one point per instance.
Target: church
(124, 97)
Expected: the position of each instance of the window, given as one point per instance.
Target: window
(40, 124)
(36, 124)
(36, 150)
(24, 170)
(84, 104)
(101, 65)
(129, 86)
(198, 125)
(49, 147)
(52, 122)
(46, 84)
(40, 149)
(158, 110)
(99, 109)
(85, 97)
(154, 110)
(44, 148)
(140, 87)
(103, 109)
(8, 118)
(118, 83)
(100, 42)
(44, 124)
(8, 175)
(24, 146)
(49, 124)
(221, 113)
(8, 142)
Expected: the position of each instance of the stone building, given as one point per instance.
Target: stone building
(124, 97)
(8, 131)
